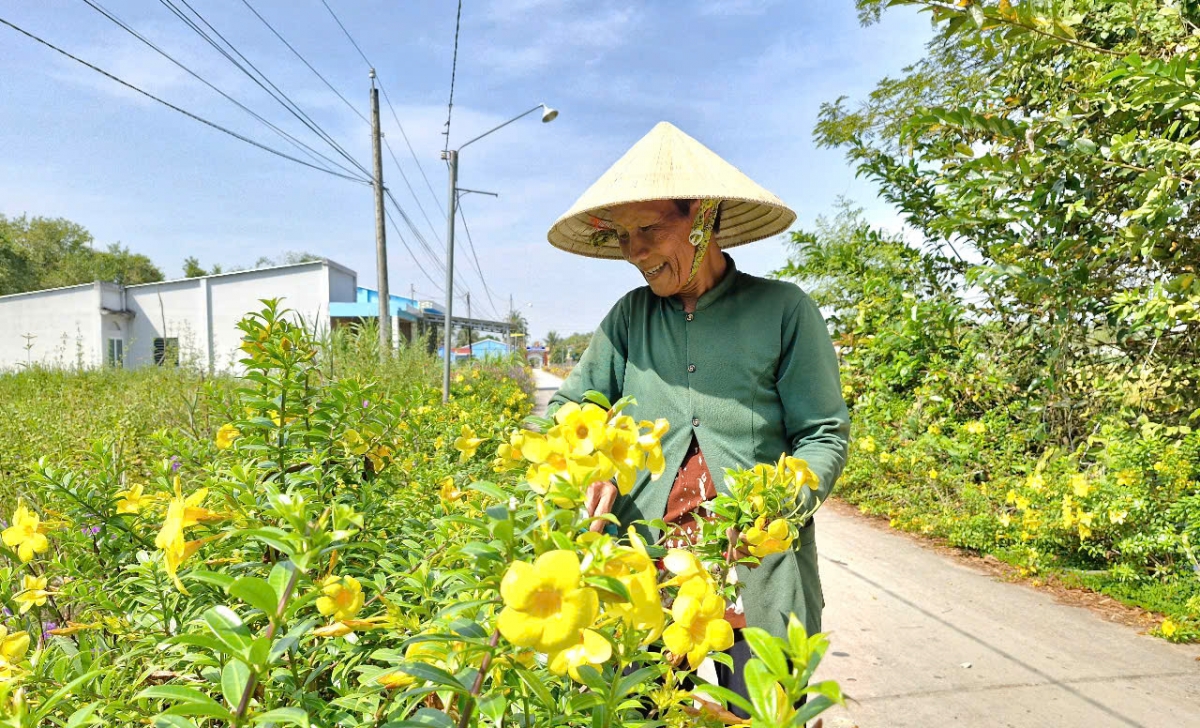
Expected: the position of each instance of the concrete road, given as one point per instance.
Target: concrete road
(920, 639)
(547, 384)
(923, 640)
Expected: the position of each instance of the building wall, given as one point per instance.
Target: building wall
(202, 313)
(70, 326)
(62, 326)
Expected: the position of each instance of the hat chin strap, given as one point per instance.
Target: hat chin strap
(701, 234)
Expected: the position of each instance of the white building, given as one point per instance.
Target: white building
(193, 319)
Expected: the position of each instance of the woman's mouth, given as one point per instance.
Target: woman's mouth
(655, 271)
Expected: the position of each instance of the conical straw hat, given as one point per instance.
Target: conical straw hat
(667, 164)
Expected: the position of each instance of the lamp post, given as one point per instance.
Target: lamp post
(451, 157)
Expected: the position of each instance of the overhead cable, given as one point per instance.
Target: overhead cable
(312, 153)
(305, 62)
(173, 107)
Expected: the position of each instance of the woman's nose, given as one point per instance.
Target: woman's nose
(639, 247)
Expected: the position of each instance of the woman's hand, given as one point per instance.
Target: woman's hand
(599, 498)
(737, 546)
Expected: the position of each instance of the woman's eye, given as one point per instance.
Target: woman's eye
(646, 228)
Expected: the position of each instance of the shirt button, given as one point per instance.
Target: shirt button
(691, 367)
(689, 317)
(695, 422)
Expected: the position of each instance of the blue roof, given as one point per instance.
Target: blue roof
(367, 306)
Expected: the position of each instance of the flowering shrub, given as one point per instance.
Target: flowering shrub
(329, 556)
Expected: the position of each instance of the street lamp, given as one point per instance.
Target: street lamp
(451, 157)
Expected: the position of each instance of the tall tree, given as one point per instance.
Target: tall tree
(39, 252)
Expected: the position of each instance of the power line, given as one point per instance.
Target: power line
(432, 194)
(453, 73)
(305, 62)
(404, 242)
(274, 92)
(348, 36)
(416, 233)
(173, 107)
(312, 153)
(410, 189)
(478, 268)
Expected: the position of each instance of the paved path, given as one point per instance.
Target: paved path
(906, 620)
(547, 384)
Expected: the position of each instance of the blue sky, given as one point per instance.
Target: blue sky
(745, 77)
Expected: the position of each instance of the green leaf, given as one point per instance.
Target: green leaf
(227, 626)
(489, 489)
(189, 701)
(173, 721)
(256, 592)
(597, 398)
(233, 682)
(767, 649)
(760, 684)
(83, 716)
(433, 674)
(221, 581)
(609, 584)
(291, 716)
(635, 678)
(725, 696)
(424, 718)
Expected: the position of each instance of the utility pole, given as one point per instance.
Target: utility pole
(385, 321)
(470, 351)
(451, 157)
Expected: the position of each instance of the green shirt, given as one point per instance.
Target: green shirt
(752, 374)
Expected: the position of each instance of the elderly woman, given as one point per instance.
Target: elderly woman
(742, 367)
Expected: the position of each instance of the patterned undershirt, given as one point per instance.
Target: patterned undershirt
(693, 485)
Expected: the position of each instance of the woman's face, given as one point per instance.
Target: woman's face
(654, 237)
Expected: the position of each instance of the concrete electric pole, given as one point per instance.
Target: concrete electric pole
(385, 321)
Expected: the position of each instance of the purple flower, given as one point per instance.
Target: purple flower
(7, 612)
(366, 403)
(175, 463)
(46, 627)
(91, 530)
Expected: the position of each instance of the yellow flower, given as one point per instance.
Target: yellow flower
(132, 500)
(885, 457)
(467, 444)
(770, 539)
(1022, 503)
(354, 442)
(33, 592)
(73, 627)
(1168, 628)
(181, 514)
(1036, 482)
(699, 626)
(379, 455)
(933, 474)
(590, 649)
(449, 492)
(975, 427)
(341, 598)
(799, 472)
(644, 612)
(1117, 516)
(1005, 520)
(544, 605)
(651, 443)
(12, 650)
(1085, 532)
(1079, 483)
(935, 430)
(1068, 514)
(583, 427)
(226, 435)
(685, 566)
(625, 456)
(867, 444)
(26, 533)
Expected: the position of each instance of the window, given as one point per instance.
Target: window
(166, 352)
(116, 352)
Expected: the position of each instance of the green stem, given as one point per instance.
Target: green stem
(276, 619)
(469, 707)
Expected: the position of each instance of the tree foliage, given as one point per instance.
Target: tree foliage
(40, 252)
